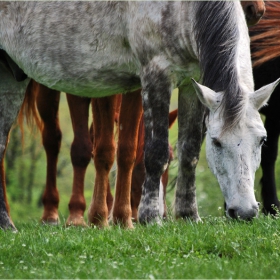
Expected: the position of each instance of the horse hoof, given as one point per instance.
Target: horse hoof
(187, 214)
(50, 221)
(149, 216)
(76, 221)
(6, 222)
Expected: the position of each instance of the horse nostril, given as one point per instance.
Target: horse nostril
(250, 11)
(232, 213)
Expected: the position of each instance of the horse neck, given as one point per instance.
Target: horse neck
(244, 62)
(222, 40)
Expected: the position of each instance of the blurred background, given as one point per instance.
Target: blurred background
(26, 173)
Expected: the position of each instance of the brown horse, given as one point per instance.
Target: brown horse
(266, 61)
(117, 108)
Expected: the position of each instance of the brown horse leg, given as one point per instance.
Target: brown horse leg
(81, 150)
(130, 115)
(103, 153)
(47, 104)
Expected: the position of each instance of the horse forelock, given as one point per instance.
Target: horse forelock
(217, 35)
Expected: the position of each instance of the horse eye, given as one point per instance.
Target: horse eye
(217, 143)
(263, 140)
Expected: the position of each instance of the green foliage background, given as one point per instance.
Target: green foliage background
(26, 171)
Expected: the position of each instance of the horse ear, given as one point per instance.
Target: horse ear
(261, 96)
(207, 96)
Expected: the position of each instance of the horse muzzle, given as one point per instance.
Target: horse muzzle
(253, 12)
(242, 213)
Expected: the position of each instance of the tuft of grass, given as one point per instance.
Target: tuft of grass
(216, 248)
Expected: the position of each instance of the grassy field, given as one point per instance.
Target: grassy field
(216, 248)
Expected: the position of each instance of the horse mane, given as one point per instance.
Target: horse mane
(217, 35)
(265, 35)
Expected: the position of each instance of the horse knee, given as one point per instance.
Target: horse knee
(189, 157)
(52, 141)
(104, 156)
(126, 157)
(156, 157)
(81, 153)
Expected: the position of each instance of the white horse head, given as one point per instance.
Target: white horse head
(234, 155)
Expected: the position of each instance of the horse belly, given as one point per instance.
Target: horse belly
(71, 47)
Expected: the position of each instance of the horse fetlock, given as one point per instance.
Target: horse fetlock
(122, 212)
(50, 217)
(97, 217)
(6, 222)
(148, 216)
(77, 206)
(51, 200)
(149, 211)
(123, 221)
(190, 213)
(76, 220)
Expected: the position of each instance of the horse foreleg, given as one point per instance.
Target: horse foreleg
(269, 156)
(81, 150)
(190, 125)
(130, 115)
(103, 154)
(156, 94)
(11, 98)
(47, 104)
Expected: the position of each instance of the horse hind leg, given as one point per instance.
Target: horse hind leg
(47, 104)
(81, 150)
(269, 156)
(11, 98)
(104, 147)
(130, 116)
(5, 220)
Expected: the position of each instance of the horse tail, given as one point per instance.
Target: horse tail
(29, 110)
(265, 35)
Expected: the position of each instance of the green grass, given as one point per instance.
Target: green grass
(216, 248)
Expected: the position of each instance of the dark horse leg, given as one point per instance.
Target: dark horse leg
(190, 123)
(81, 151)
(156, 94)
(138, 174)
(11, 98)
(47, 103)
(269, 156)
(264, 74)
